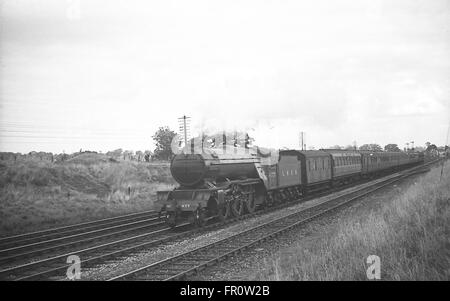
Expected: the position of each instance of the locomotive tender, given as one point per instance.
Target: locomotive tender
(227, 182)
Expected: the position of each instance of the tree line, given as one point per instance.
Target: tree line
(163, 151)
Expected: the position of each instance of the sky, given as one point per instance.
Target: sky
(100, 75)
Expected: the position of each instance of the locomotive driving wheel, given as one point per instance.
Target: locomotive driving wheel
(236, 201)
(238, 206)
(224, 211)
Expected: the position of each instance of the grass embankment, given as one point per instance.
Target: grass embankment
(410, 234)
(40, 194)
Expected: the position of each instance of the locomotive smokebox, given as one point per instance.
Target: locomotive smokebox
(191, 170)
(188, 169)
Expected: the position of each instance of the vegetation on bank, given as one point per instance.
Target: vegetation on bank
(410, 234)
(37, 194)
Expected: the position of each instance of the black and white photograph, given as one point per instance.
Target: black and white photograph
(229, 146)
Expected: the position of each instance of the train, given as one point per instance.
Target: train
(226, 183)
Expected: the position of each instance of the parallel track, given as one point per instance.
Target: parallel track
(33, 237)
(187, 263)
(55, 267)
(21, 253)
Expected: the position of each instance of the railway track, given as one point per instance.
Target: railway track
(21, 253)
(48, 234)
(54, 267)
(187, 263)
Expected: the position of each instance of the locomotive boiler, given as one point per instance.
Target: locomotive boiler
(195, 170)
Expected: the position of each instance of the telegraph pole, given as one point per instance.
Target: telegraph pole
(302, 139)
(184, 123)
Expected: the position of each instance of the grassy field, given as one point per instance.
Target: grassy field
(411, 235)
(38, 194)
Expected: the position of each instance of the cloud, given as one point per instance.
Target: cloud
(340, 70)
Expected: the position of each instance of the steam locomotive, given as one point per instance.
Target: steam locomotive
(229, 182)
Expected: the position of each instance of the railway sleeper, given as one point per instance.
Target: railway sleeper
(176, 270)
(187, 263)
(227, 249)
(155, 277)
(202, 258)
